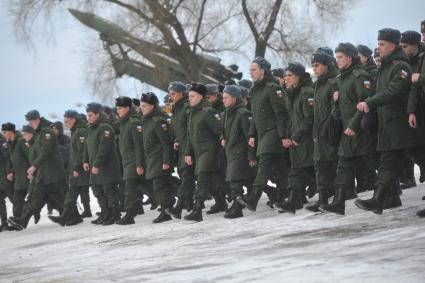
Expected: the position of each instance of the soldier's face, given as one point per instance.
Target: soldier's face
(146, 108)
(228, 100)
(176, 96)
(319, 69)
(212, 98)
(291, 80)
(409, 49)
(342, 60)
(34, 123)
(55, 130)
(122, 111)
(194, 98)
(69, 122)
(385, 48)
(256, 73)
(363, 59)
(27, 136)
(8, 135)
(92, 117)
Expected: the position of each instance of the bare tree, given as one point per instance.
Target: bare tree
(291, 29)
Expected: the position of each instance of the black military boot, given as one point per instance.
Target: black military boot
(392, 199)
(290, 205)
(75, 217)
(350, 192)
(323, 200)
(220, 204)
(196, 214)
(338, 203)
(301, 199)
(374, 204)
(103, 215)
(162, 217)
(188, 204)
(87, 211)
(251, 201)
(115, 215)
(271, 193)
(176, 211)
(140, 209)
(5, 226)
(421, 213)
(63, 218)
(21, 222)
(128, 218)
(235, 211)
(36, 217)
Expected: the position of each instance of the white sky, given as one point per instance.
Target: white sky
(52, 80)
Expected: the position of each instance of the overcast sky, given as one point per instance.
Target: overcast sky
(52, 80)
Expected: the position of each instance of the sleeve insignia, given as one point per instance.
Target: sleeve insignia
(311, 102)
(366, 84)
(403, 74)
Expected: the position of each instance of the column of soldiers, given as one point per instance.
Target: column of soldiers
(359, 126)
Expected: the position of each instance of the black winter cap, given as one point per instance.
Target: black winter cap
(263, 63)
(123, 101)
(297, 69)
(32, 115)
(28, 129)
(322, 58)
(94, 107)
(391, 35)
(8, 127)
(199, 88)
(348, 49)
(411, 37)
(71, 114)
(150, 98)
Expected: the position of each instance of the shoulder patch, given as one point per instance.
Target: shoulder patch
(404, 74)
(279, 93)
(139, 128)
(217, 116)
(47, 136)
(164, 126)
(82, 139)
(106, 134)
(310, 101)
(5, 145)
(366, 84)
(168, 121)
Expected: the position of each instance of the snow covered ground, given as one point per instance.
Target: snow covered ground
(261, 247)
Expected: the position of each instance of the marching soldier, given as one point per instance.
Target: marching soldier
(240, 158)
(186, 172)
(46, 171)
(394, 133)
(132, 157)
(325, 156)
(204, 132)
(267, 132)
(79, 178)
(356, 144)
(6, 179)
(157, 151)
(101, 160)
(19, 154)
(300, 101)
